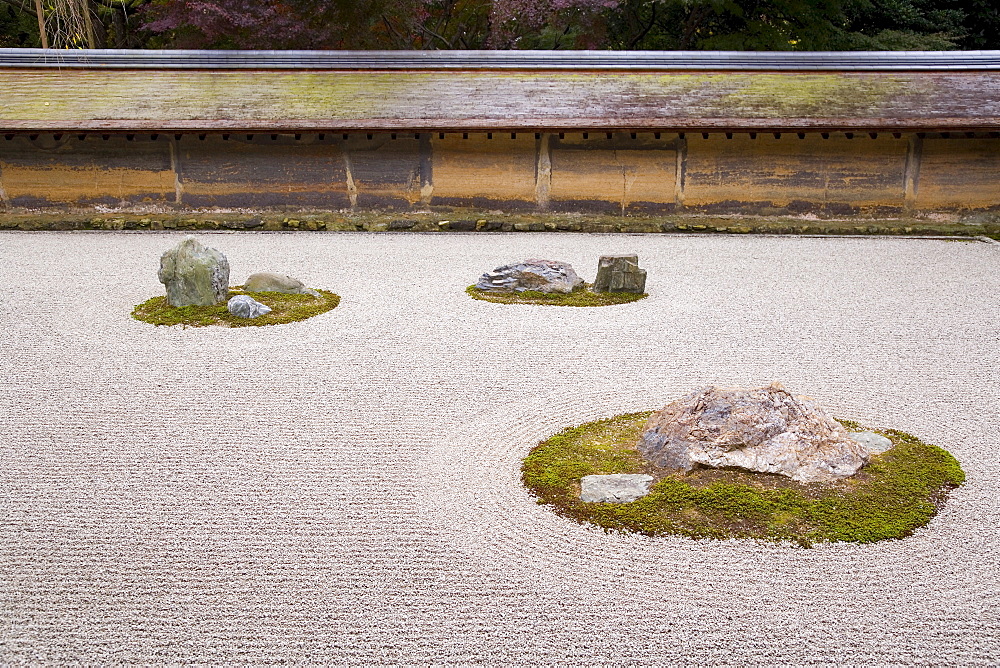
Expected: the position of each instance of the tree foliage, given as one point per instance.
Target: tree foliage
(787, 25)
(69, 24)
(782, 25)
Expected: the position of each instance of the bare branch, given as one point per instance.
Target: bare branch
(434, 34)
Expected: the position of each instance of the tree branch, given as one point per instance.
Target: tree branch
(392, 30)
(434, 34)
(41, 24)
(652, 20)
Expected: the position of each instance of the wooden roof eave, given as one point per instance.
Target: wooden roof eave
(401, 100)
(287, 126)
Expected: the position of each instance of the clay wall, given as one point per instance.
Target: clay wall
(619, 172)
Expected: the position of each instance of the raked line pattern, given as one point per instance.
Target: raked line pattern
(346, 489)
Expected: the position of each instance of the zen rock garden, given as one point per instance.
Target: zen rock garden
(754, 463)
(196, 279)
(722, 463)
(766, 430)
(619, 280)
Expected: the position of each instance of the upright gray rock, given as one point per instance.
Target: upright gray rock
(266, 281)
(194, 274)
(245, 306)
(539, 275)
(620, 273)
(767, 430)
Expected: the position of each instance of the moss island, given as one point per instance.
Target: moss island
(584, 297)
(285, 308)
(894, 494)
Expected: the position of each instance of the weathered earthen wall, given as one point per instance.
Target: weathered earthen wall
(613, 172)
(483, 169)
(834, 173)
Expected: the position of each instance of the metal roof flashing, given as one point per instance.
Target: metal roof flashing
(870, 61)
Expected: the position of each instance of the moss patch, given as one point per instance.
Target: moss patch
(284, 309)
(969, 224)
(897, 492)
(584, 297)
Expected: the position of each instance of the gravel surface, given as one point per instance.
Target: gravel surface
(346, 489)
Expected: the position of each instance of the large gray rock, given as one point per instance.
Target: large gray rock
(534, 274)
(767, 430)
(194, 274)
(614, 488)
(266, 281)
(245, 306)
(620, 273)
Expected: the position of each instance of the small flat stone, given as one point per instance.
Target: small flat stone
(244, 306)
(876, 443)
(266, 281)
(614, 488)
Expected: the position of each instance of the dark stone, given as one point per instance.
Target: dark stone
(542, 275)
(620, 273)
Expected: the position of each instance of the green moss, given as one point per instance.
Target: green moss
(584, 297)
(284, 309)
(322, 95)
(812, 95)
(899, 491)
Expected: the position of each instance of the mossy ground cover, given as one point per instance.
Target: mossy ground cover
(465, 220)
(284, 309)
(585, 297)
(897, 492)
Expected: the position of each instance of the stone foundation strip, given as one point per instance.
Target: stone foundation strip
(980, 225)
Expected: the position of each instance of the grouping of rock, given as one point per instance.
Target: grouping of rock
(615, 273)
(764, 430)
(194, 274)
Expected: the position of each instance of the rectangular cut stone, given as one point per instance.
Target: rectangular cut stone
(620, 273)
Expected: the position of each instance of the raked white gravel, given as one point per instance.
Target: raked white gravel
(346, 489)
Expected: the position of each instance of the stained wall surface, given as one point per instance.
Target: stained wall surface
(618, 172)
(480, 168)
(856, 172)
(46, 171)
(957, 173)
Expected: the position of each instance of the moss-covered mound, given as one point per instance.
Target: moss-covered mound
(900, 490)
(585, 297)
(284, 309)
